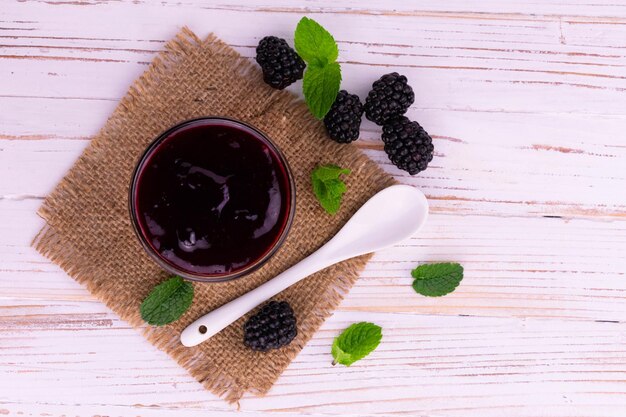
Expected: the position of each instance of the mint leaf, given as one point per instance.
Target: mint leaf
(320, 87)
(167, 301)
(327, 186)
(356, 342)
(435, 280)
(314, 44)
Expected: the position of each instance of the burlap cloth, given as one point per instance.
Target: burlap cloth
(89, 234)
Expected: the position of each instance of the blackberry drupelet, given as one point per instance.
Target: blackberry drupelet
(343, 120)
(390, 97)
(407, 144)
(271, 328)
(281, 65)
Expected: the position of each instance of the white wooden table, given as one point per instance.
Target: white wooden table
(526, 101)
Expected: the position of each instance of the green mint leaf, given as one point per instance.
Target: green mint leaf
(327, 186)
(167, 301)
(314, 44)
(320, 87)
(356, 342)
(435, 280)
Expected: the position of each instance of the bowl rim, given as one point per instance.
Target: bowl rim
(173, 269)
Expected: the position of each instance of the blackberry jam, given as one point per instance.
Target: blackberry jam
(211, 199)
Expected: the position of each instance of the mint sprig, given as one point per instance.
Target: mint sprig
(435, 280)
(327, 186)
(167, 302)
(356, 342)
(322, 78)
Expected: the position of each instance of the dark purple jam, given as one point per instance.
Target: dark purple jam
(212, 197)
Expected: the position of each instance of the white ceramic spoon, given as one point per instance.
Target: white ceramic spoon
(389, 217)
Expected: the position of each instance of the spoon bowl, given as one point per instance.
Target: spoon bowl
(389, 217)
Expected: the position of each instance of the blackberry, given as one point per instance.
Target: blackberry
(407, 144)
(271, 328)
(390, 97)
(281, 65)
(343, 120)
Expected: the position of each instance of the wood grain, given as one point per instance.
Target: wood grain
(526, 102)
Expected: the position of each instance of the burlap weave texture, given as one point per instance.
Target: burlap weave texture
(89, 234)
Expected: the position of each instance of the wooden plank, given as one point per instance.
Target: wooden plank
(522, 10)
(491, 365)
(561, 170)
(521, 60)
(514, 267)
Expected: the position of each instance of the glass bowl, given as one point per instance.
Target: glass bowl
(211, 199)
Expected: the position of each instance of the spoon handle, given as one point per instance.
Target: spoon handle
(211, 323)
